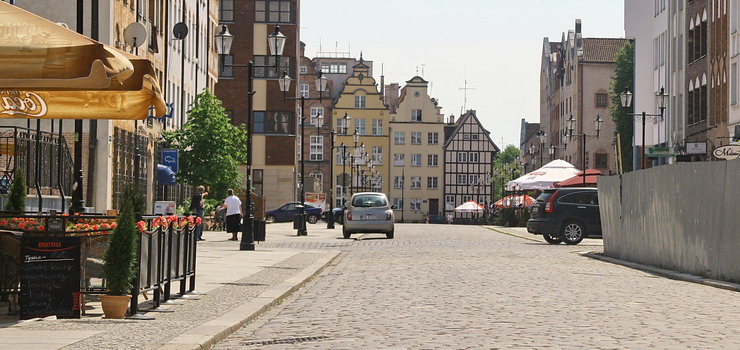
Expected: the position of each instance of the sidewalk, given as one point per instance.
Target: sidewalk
(237, 286)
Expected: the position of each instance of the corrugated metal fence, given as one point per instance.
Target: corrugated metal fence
(683, 217)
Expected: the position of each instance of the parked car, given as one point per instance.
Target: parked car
(566, 215)
(368, 212)
(289, 210)
(338, 215)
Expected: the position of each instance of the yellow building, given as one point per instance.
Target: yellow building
(417, 153)
(368, 116)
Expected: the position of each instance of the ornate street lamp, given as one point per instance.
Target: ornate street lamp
(626, 99)
(276, 42)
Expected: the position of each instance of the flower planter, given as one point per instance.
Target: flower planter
(115, 306)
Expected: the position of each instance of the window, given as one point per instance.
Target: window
(377, 155)
(399, 137)
(415, 138)
(304, 90)
(302, 70)
(317, 148)
(273, 11)
(601, 161)
(279, 122)
(602, 100)
(342, 126)
(340, 156)
(226, 11)
(432, 182)
(415, 203)
(398, 203)
(467, 198)
(377, 127)
(473, 157)
(334, 68)
(449, 202)
(432, 160)
(398, 159)
(462, 157)
(259, 122)
(360, 126)
(466, 136)
(432, 138)
(474, 137)
(416, 182)
(320, 183)
(257, 181)
(462, 179)
(315, 112)
(264, 67)
(359, 101)
(416, 160)
(225, 69)
(398, 182)
(416, 115)
(473, 179)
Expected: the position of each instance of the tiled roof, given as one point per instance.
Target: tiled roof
(601, 49)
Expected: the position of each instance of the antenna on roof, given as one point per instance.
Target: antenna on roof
(465, 90)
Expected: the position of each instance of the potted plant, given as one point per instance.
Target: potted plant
(120, 258)
(17, 192)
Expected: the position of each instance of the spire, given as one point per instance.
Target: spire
(361, 60)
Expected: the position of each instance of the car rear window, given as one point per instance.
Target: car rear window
(544, 196)
(369, 201)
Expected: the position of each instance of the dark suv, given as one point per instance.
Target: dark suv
(566, 215)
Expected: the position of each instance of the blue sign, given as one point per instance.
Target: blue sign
(170, 158)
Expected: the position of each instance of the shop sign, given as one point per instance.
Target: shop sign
(727, 152)
(656, 152)
(696, 148)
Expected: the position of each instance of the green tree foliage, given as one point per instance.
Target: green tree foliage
(120, 257)
(623, 78)
(210, 147)
(507, 156)
(17, 192)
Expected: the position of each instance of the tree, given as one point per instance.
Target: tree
(17, 193)
(210, 147)
(507, 156)
(120, 257)
(623, 79)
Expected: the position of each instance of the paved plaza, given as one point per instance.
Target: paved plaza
(468, 287)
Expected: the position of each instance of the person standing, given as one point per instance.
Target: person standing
(197, 207)
(233, 214)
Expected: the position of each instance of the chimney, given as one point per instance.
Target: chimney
(578, 26)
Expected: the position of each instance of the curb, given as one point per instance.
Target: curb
(667, 273)
(206, 335)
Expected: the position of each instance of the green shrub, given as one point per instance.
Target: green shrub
(120, 257)
(17, 192)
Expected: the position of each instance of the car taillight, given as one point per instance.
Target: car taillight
(349, 216)
(388, 214)
(549, 207)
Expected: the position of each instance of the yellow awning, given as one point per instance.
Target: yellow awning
(50, 72)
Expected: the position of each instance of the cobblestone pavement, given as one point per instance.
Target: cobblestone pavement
(467, 287)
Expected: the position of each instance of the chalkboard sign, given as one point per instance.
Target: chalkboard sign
(55, 224)
(50, 277)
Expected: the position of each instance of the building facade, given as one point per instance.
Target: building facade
(468, 165)
(417, 132)
(361, 166)
(275, 122)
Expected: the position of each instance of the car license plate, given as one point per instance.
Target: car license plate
(369, 217)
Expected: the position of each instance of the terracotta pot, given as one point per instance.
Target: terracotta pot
(115, 306)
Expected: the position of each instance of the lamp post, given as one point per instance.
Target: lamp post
(330, 214)
(276, 42)
(355, 140)
(571, 125)
(284, 83)
(626, 99)
(542, 135)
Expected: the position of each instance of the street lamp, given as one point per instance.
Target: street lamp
(626, 99)
(571, 125)
(284, 83)
(542, 135)
(276, 42)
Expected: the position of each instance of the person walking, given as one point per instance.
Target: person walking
(197, 207)
(233, 214)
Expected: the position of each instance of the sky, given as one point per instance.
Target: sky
(494, 45)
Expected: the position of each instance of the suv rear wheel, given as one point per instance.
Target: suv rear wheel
(572, 232)
(345, 234)
(552, 239)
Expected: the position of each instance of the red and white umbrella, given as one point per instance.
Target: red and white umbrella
(470, 207)
(515, 201)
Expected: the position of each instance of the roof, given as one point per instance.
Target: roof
(602, 50)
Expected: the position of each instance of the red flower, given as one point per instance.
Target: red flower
(40, 228)
(3, 222)
(198, 220)
(95, 227)
(22, 225)
(113, 225)
(141, 225)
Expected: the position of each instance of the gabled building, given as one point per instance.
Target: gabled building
(417, 132)
(468, 164)
(364, 166)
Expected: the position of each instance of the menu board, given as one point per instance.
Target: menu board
(50, 277)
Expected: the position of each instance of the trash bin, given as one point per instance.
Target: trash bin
(258, 227)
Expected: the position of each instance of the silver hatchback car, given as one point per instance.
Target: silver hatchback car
(368, 212)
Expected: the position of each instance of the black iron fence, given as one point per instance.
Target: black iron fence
(166, 255)
(44, 158)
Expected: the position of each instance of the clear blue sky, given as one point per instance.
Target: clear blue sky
(495, 45)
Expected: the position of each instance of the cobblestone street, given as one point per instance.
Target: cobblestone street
(467, 287)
